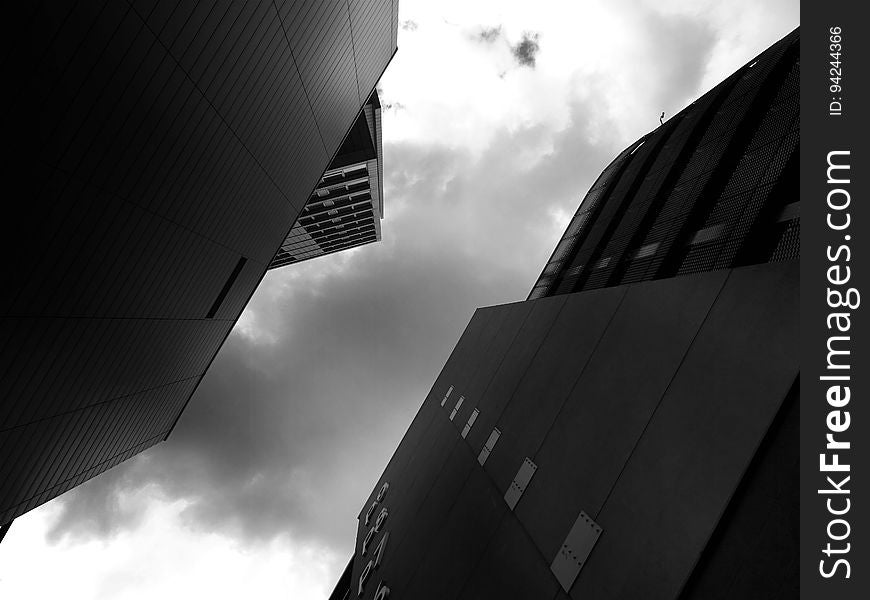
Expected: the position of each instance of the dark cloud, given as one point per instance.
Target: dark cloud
(291, 427)
(488, 35)
(526, 51)
(409, 25)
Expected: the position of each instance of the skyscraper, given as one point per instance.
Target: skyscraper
(160, 153)
(346, 207)
(630, 430)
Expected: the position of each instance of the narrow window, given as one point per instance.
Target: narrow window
(226, 289)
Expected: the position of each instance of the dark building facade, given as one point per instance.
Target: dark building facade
(346, 207)
(160, 152)
(714, 187)
(631, 430)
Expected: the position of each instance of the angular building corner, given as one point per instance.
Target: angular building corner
(161, 151)
(630, 430)
(346, 207)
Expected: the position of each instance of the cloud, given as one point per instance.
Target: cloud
(527, 49)
(104, 508)
(488, 35)
(162, 559)
(678, 48)
(409, 25)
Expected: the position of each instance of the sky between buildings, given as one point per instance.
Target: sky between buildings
(497, 117)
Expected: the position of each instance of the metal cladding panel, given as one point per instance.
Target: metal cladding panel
(520, 482)
(133, 258)
(44, 458)
(764, 519)
(157, 144)
(456, 407)
(427, 462)
(488, 446)
(487, 368)
(105, 367)
(470, 423)
(511, 567)
(514, 361)
(474, 352)
(532, 407)
(325, 58)
(575, 550)
(395, 21)
(374, 26)
(410, 565)
(592, 435)
(474, 517)
(446, 396)
(693, 454)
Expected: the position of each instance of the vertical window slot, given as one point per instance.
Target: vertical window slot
(226, 289)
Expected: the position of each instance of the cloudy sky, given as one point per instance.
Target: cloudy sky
(497, 118)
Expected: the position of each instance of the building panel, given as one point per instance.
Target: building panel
(550, 377)
(489, 365)
(510, 567)
(599, 423)
(426, 560)
(763, 518)
(514, 363)
(693, 453)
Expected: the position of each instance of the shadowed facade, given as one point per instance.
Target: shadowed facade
(161, 152)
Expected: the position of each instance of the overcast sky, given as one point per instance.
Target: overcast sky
(497, 118)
